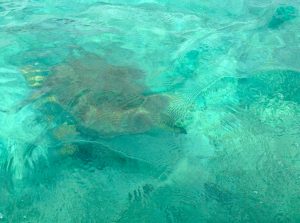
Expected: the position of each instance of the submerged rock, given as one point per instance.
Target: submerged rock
(282, 15)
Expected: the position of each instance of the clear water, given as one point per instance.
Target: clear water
(150, 111)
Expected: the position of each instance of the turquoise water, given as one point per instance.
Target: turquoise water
(150, 111)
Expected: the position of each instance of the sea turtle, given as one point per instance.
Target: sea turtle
(108, 99)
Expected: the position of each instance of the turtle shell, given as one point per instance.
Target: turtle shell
(106, 98)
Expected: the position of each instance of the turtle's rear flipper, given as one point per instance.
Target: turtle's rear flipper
(32, 98)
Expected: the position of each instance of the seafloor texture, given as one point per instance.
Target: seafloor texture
(150, 111)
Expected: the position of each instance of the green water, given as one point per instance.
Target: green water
(150, 111)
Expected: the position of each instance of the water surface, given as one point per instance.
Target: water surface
(150, 111)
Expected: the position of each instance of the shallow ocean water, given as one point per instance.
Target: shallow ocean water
(150, 111)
